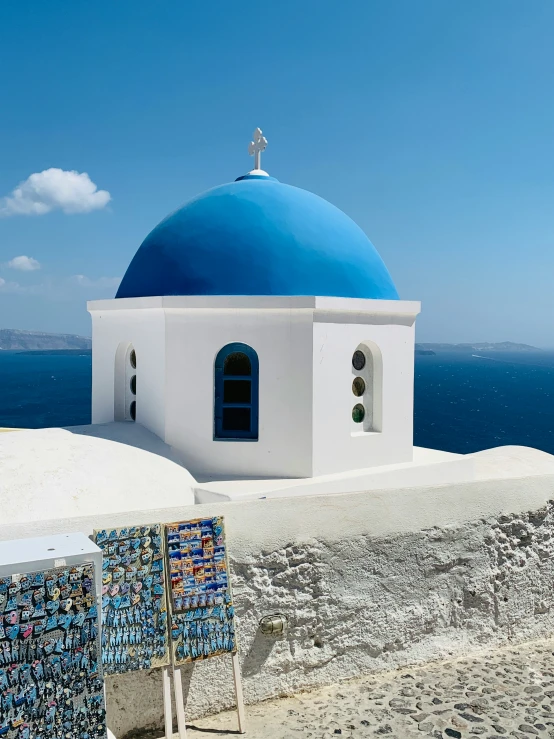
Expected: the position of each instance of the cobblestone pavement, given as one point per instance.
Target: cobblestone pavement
(495, 695)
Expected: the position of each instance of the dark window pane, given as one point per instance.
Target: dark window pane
(358, 386)
(237, 391)
(134, 384)
(236, 419)
(133, 359)
(358, 413)
(237, 363)
(358, 360)
(133, 410)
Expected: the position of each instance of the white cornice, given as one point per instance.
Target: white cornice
(319, 305)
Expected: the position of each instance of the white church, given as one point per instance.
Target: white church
(256, 347)
(257, 363)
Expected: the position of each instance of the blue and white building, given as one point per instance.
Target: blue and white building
(259, 334)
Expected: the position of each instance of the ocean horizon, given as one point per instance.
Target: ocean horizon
(462, 402)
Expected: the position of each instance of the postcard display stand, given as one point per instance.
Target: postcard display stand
(148, 571)
(51, 681)
(200, 603)
(134, 604)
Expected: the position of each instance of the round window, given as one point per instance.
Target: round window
(133, 384)
(133, 359)
(358, 413)
(133, 410)
(358, 360)
(358, 386)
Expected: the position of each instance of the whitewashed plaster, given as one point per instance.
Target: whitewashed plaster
(428, 468)
(57, 473)
(305, 348)
(282, 338)
(112, 333)
(339, 443)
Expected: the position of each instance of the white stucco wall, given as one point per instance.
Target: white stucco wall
(339, 443)
(282, 339)
(369, 581)
(145, 330)
(304, 346)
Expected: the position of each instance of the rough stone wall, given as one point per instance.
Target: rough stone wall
(360, 603)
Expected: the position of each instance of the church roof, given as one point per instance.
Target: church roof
(257, 236)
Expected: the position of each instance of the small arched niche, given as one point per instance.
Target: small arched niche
(125, 383)
(367, 387)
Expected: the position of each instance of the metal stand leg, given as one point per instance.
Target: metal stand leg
(168, 714)
(238, 694)
(179, 703)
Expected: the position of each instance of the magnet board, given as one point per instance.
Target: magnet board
(51, 680)
(134, 603)
(200, 597)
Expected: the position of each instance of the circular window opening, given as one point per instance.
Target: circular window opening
(358, 360)
(358, 386)
(133, 359)
(133, 384)
(133, 410)
(358, 413)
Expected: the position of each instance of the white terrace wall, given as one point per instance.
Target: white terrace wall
(369, 581)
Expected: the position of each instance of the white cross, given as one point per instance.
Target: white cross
(256, 147)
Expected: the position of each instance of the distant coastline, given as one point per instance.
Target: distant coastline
(56, 352)
(35, 342)
(503, 346)
(12, 339)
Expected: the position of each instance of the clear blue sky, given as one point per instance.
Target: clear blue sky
(431, 123)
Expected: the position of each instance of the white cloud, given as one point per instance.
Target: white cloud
(54, 189)
(84, 281)
(14, 288)
(25, 264)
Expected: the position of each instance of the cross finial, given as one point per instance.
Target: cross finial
(256, 147)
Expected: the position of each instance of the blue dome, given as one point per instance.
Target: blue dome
(257, 236)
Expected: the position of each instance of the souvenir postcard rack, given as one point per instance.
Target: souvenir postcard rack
(167, 600)
(51, 680)
(200, 602)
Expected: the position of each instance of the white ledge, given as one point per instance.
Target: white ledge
(259, 302)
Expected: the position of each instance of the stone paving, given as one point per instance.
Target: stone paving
(496, 694)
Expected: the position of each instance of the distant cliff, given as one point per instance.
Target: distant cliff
(16, 340)
(12, 339)
(503, 346)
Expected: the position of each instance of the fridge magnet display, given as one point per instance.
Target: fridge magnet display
(134, 603)
(51, 681)
(201, 603)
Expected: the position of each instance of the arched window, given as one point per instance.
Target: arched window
(236, 393)
(367, 387)
(125, 386)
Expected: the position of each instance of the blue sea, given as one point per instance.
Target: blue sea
(463, 403)
(44, 390)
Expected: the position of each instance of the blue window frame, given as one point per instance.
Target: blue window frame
(236, 385)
